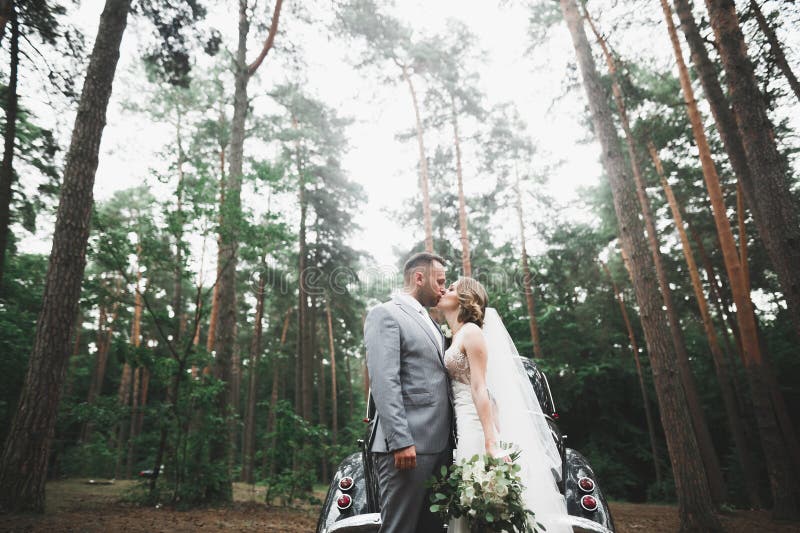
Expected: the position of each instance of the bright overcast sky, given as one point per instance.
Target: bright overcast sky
(384, 166)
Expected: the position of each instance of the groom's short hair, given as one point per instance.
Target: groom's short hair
(419, 260)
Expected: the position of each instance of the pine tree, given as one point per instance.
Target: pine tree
(695, 505)
(775, 450)
(23, 465)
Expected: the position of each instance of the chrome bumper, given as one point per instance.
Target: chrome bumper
(363, 523)
(584, 525)
(371, 522)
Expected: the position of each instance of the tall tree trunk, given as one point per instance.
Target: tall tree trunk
(214, 315)
(698, 418)
(349, 376)
(725, 121)
(322, 398)
(87, 426)
(651, 430)
(695, 506)
(776, 48)
(724, 374)
(136, 337)
(466, 264)
(248, 445)
(177, 289)
(273, 395)
(311, 346)
(137, 376)
(102, 328)
(145, 389)
(9, 138)
(715, 293)
(334, 392)
(225, 335)
(303, 367)
(767, 189)
(423, 165)
(527, 279)
(23, 465)
(105, 330)
(707, 73)
(235, 399)
(123, 399)
(775, 450)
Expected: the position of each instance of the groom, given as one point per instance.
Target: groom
(405, 359)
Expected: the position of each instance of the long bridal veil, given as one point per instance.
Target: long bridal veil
(521, 422)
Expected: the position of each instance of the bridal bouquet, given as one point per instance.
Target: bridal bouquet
(487, 491)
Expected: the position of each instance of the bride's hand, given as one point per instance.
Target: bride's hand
(496, 451)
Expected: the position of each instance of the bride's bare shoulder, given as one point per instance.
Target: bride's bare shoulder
(472, 334)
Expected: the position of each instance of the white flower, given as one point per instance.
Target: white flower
(502, 490)
(467, 496)
(446, 331)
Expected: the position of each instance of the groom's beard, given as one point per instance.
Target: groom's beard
(429, 300)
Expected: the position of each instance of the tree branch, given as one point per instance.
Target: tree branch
(198, 313)
(273, 29)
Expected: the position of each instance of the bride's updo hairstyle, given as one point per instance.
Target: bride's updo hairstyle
(472, 300)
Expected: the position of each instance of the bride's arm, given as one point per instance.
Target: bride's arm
(475, 347)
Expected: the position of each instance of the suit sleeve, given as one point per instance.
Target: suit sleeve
(382, 339)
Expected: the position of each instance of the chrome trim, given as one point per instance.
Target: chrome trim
(549, 392)
(344, 507)
(348, 489)
(596, 503)
(584, 525)
(584, 490)
(363, 523)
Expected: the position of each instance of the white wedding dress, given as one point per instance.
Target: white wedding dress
(517, 422)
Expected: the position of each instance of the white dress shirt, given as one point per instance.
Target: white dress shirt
(413, 302)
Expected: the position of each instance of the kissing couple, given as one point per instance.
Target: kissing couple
(423, 391)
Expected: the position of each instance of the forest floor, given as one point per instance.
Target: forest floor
(76, 506)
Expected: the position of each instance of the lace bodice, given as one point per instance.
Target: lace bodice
(456, 361)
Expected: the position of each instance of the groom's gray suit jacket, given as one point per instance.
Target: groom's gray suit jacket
(408, 380)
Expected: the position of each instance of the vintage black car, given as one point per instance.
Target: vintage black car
(353, 505)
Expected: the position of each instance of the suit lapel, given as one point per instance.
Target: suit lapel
(419, 319)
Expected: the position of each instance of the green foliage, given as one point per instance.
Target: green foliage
(296, 447)
(19, 309)
(93, 459)
(36, 152)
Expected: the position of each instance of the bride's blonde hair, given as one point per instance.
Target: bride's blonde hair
(472, 301)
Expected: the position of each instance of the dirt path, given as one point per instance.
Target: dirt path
(639, 518)
(74, 506)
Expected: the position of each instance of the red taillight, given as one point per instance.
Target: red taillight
(555, 416)
(366, 420)
(586, 484)
(344, 502)
(589, 503)
(345, 484)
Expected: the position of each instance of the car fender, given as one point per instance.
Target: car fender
(352, 466)
(576, 467)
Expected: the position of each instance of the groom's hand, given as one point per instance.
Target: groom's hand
(405, 458)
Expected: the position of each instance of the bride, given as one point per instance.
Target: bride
(494, 402)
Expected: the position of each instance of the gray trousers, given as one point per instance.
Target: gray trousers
(405, 501)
